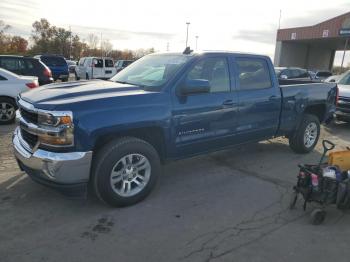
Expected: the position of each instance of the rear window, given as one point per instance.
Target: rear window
(126, 63)
(109, 63)
(53, 60)
(253, 74)
(324, 74)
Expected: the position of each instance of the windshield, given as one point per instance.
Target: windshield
(345, 79)
(152, 70)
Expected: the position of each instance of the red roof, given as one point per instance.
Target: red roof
(327, 29)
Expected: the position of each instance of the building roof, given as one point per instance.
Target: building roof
(327, 29)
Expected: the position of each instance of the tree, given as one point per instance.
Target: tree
(107, 47)
(11, 44)
(92, 41)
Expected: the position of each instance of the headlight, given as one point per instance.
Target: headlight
(59, 128)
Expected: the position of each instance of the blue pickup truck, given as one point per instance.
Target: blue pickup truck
(112, 136)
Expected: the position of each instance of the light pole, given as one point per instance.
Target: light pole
(188, 24)
(197, 42)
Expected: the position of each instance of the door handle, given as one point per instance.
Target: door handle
(228, 103)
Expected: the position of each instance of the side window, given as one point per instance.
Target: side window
(2, 78)
(10, 64)
(253, 73)
(108, 63)
(99, 63)
(215, 70)
(29, 64)
(303, 73)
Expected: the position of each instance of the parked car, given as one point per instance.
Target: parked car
(121, 64)
(320, 75)
(115, 134)
(71, 66)
(27, 66)
(292, 73)
(343, 106)
(332, 79)
(57, 65)
(95, 68)
(11, 85)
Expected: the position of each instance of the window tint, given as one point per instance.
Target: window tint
(215, 70)
(253, 74)
(98, 63)
(303, 73)
(53, 60)
(109, 63)
(324, 74)
(11, 64)
(29, 64)
(2, 78)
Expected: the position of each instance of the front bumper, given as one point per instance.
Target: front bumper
(67, 172)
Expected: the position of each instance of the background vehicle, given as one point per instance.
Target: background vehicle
(343, 106)
(332, 79)
(121, 64)
(95, 68)
(10, 86)
(27, 66)
(57, 65)
(319, 75)
(71, 66)
(292, 73)
(115, 134)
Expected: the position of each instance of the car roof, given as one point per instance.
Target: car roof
(7, 73)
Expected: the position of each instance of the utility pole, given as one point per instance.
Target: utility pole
(345, 48)
(101, 46)
(188, 24)
(279, 20)
(70, 43)
(197, 42)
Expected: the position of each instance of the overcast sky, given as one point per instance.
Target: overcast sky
(248, 26)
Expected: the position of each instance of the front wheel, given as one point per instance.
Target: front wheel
(306, 136)
(125, 171)
(8, 109)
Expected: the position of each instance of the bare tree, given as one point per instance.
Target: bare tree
(92, 41)
(107, 47)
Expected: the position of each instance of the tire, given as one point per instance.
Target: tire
(310, 124)
(77, 78)
(111, 172)
(8, 109)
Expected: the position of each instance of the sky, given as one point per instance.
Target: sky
(246, 26)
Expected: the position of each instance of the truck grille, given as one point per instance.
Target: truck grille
(29, 138)
(29, 116)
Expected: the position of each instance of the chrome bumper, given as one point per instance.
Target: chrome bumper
(61, 168)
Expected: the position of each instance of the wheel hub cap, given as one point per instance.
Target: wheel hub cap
(310, 135)
(130, 174)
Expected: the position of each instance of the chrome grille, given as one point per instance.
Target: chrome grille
(31, 117)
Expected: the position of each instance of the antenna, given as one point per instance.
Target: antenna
(187, 51)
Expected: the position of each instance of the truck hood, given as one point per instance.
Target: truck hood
(49, 96)
(344, 90)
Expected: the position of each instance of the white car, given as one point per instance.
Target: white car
(10, 86)
(95, 68)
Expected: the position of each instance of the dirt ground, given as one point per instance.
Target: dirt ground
(227, 206)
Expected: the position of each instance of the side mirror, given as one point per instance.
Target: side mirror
(195, 86)
(284, 77)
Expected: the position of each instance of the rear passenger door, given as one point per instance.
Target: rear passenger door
(259, 98)
(109, 69)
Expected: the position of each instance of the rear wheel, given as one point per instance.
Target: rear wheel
(8, 109)
(125, 171)
(306, 136)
